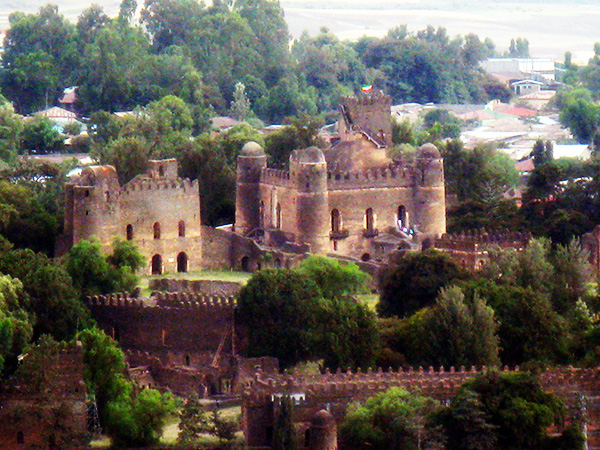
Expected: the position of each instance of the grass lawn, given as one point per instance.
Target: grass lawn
(370, 300)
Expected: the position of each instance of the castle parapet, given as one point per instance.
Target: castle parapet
(385, 177)
(276, 177)
(148, 184)
(479, 240)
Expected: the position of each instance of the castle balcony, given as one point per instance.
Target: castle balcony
(339, 234)
(373, 232)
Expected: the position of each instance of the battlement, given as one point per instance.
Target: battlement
(159, 184)
(180, 300)
(438, 383)
(193, 300)
(375, 97)
(276, 177)
(479, 240)
(393, 176)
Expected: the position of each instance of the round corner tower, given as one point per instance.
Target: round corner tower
(309, 177)
(250, 163)
(323, 432)
(430, 191)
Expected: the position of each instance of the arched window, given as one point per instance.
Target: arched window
(278, 216)
(156, 228)
(181, 227)
(20, 437)
(129, 232)
(336, 221)
(369, 220)
(187, 360)
(161, 171)
(157, 265)
(402, 217)
(182, 262)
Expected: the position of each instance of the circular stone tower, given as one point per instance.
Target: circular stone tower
(309, 177)
(250, 163)
(323, 432)
(431, 193)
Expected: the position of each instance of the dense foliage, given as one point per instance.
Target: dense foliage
(285, 313)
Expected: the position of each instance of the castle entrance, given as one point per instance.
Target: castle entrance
(182, 262)
(157, 265)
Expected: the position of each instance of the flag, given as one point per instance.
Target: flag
(367, 88)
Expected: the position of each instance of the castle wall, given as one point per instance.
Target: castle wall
(158, 211)
(172, 328)
(49, 411)
(283, 196)
(167, 202)
(353, 204)
(334, 392)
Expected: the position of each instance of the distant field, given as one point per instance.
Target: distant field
(552, 27)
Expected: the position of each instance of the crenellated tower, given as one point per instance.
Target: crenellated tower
(308, 174)
(430, 194)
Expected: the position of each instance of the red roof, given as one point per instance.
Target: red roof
(517, 111)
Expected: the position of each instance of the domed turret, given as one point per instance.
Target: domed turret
(252, 149)
(308, 169)
(431, 193)
(250, 163)
(323, 432)
(428, 151)
(310, 155)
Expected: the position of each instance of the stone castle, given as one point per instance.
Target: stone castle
(349, 200)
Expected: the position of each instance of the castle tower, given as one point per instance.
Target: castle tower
(92, 205)
(323, 432)
(369, 113)
(250, 163)
(309, 177)
(430, 194)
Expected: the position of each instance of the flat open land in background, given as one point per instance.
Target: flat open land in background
(552, 27)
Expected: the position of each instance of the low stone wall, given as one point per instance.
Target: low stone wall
(205, 287)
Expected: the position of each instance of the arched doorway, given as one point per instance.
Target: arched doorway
(246, 264)
(182, 262)
(157, 265)
(402, 217)
(129, 232)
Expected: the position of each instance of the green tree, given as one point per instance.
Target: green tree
(461, 332)
(240, 108)
(284, 314)
(94, 273)
(468, 425)
(104, 371)
(415, 282)
(193, 420)
(40, 136)
(334, 279)
(277, 310)
(40, 57)
(53, 300)
(11, 126)
(394, 419)
(517, 407)
(541, 152)
(16, 325)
